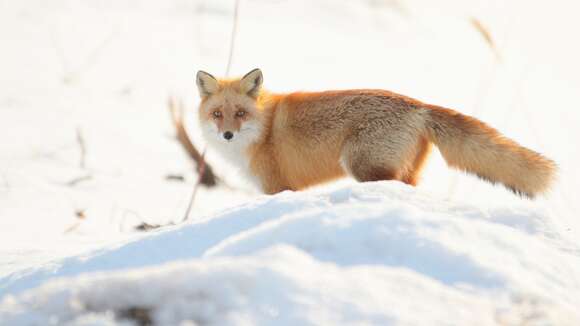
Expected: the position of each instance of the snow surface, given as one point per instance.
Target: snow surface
(454, 249)
(375, 253)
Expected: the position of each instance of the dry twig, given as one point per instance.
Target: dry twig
(144, 226)
(140, 315)
(81, 216)
(176, 110)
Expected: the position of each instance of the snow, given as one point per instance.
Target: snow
(375, 253)
(453, 250)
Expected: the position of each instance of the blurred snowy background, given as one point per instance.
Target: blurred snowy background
(103, 69)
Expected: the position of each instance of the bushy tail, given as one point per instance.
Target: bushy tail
(472, 146)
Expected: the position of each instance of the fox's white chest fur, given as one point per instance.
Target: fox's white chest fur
(235, 151)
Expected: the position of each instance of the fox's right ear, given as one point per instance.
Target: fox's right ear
(206, 84)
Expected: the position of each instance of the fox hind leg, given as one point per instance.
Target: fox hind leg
(366, 162)
(380, 154)
(363, 169)
(423, 150)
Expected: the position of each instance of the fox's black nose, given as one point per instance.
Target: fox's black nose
(228, 135)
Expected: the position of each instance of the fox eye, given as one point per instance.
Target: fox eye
(240, 113)
(217, 114)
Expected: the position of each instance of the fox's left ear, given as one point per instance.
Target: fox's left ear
(251, 82)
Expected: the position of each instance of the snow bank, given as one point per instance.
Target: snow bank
(281, 285)
(374, 253)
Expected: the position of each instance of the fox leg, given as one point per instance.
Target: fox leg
(379, 152)
(423, 149)
(366, 163)
(363, 173)
(274, 188)
(271, 180)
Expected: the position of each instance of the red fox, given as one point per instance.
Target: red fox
(296, 140)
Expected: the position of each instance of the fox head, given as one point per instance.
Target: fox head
(229, 108)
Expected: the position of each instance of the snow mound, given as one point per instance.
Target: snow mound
(374, 253)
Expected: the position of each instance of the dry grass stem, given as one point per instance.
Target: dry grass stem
(82, 147)
(78, 180)
(201, 171)
(233, 37)
(484, 32)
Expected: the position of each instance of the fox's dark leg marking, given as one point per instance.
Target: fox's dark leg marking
(363, 169)
(374, 174)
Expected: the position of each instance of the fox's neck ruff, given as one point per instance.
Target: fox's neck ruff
(235, 151)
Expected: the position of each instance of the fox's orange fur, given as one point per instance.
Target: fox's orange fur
(292, 141)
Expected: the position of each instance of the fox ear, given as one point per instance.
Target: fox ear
(251, 82)
(206, 84)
